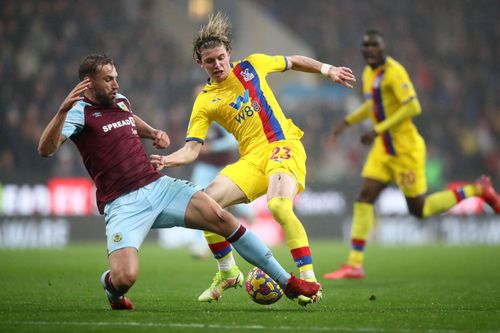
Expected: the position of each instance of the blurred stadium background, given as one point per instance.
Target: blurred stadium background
(450, 48)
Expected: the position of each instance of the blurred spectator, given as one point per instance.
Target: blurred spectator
(42, 42)
(450, 48)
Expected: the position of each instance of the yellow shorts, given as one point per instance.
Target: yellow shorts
(251, 172)
(406, 169)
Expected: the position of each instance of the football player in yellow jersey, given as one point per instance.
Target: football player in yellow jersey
(398, 152)
(272, 158)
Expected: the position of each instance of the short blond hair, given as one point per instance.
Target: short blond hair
(215, 33)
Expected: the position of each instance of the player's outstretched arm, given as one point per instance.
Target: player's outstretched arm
(159, 137)
(409, 109)
(341, 75)
(52, 138)
(183, 156)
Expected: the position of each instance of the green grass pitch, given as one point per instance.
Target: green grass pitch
(438, 289)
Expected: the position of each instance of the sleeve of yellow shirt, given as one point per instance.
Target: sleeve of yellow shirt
(268, 64)
(408, 110)
(199, 122)
(360, 114)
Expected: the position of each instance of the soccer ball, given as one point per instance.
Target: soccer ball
(261, 288)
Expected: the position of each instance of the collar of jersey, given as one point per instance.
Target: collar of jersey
(228, 79)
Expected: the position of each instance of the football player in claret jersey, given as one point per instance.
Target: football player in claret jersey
(272, 157)
(398, 152)
(131, 194)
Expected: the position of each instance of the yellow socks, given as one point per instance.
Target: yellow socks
(295, 235)
(440, 202)
(361, 225)
(221, 250)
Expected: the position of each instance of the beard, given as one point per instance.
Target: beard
(104, 99)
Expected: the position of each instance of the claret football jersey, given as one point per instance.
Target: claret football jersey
(111, 149)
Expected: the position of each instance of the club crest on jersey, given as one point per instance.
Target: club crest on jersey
(247, 76)
(240, 99)
(123, 106)
(117, 237)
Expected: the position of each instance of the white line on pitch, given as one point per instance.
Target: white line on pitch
(227, 327)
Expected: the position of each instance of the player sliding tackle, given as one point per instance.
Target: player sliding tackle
(131, 194)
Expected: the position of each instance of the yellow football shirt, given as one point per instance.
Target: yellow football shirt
(388, 87)
(244, 105)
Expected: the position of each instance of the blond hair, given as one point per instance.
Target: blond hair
(217, 32)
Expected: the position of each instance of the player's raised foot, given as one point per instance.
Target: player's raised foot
(222, 281)
(297, 287)
(489, 194)
(120, 303)
(346, 272)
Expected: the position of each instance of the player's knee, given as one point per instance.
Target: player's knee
(124, 279)
(224, 218)
(279, 208)
(222, 223)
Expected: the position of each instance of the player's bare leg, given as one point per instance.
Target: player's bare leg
(124, 266)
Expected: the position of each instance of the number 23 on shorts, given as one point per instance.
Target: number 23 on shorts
(281, 153)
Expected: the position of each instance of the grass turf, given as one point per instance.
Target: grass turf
(436, 289)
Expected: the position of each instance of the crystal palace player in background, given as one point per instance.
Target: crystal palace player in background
(133, 196)
(398, 152)
(272, 157)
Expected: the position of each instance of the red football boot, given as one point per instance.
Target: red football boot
(297, 287)
(346, 272)
(489, 194)
(123, 304)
